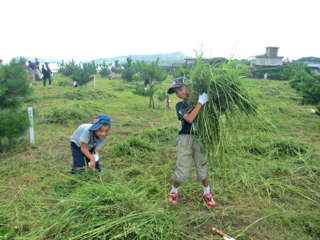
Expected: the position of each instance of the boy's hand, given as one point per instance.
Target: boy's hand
(203, 98)
(92, 164)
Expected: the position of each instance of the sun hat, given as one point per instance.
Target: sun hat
(47, 61)
(98, 121)
(177, 83)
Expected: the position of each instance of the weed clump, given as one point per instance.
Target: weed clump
(75, 113)
(160, 134)
(276, 149)
(65, 82)
(132, 145)
(80, 93)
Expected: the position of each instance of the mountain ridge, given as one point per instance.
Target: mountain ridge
(164, 58)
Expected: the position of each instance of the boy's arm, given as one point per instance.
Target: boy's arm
(86, 152)
(190, 117)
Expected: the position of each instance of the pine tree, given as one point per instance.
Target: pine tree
(104, 70)
(129, 70)
(154, 73)
(61, 66)
(14, 87)
(67, 69)
(83, 72)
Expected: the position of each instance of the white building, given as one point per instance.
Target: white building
(270, 58)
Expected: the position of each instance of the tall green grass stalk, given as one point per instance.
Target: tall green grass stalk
(230, 106)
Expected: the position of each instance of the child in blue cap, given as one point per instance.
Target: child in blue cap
(86, 143)
(188, 148)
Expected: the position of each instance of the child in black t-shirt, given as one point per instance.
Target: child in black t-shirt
(188, 149)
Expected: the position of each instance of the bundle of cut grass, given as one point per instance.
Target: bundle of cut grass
(230, 106)
(91, 209)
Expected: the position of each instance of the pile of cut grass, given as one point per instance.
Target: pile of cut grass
(230, 105)
(87, 208)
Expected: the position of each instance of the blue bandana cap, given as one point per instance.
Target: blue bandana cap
(98, 121)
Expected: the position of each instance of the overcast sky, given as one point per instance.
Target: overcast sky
(87, 30)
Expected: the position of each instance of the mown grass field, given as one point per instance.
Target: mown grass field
(266, 185)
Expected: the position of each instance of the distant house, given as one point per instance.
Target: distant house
(270, 58)
(315, 67)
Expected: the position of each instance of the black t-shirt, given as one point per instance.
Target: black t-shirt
(32, 65)
(38, 65)
(182, 108)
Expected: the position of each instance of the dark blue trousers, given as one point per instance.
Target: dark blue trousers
(80, 160)
(45, 79)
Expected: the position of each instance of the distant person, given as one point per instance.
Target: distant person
(75, 83)
(265, 75)
(86, 143)
(34, 70)
(1, 61)
(46, 73)
(37, 63)
(29, 75)
(188, 148)
(146, 82)
(42, 70)
(113, 70)
(30, 81)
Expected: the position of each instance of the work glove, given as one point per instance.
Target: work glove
(203, 98)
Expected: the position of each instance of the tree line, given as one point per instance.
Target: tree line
(14, 85)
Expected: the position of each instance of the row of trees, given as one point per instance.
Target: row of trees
(299, 75)
(83, 72)
(138, 71)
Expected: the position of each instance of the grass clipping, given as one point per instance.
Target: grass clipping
(230, 106)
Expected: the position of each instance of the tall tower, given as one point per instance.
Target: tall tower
(272, 51)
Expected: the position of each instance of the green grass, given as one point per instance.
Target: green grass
(266, 184)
